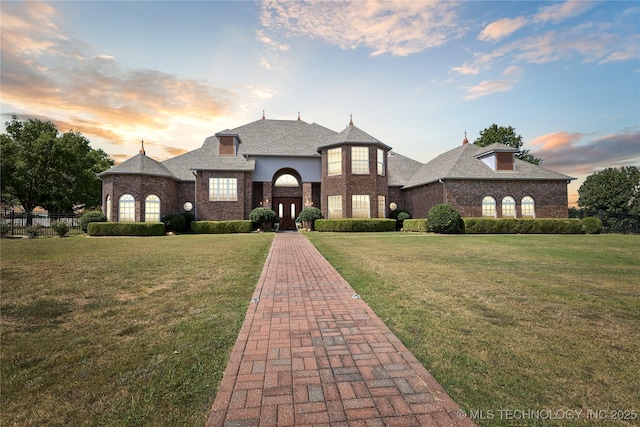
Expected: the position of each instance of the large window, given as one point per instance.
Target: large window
(360, 160)
(334, 161)
(223, 189)
(528, 207)
(152, 208)
(360, 206)
(382, 201)
(335, 206)
(126, 208)
(489, 206)
(286, 180)
(509, 206)
(381, 168)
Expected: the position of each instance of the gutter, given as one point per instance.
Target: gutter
(444, 191)
(195, 196)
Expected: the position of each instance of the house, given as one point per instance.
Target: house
(287, 165)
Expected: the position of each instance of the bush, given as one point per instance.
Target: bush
(522, 226)
(188, 219)
(400, 215)
(356, 224)
(591, 225)
(91, 216)
(174, 222)
(221, 227)
(33, 231)
(263, 218)
(4, 229)
(416, 225)
(126, 229)
(309, 216)
(445, 219)
(60, 227)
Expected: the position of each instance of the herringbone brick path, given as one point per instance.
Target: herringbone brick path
(310, 352)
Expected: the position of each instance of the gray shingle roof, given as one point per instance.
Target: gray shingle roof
(139, 164)
(463, 163)
(352, 135)
(300, 142)
(400, 168)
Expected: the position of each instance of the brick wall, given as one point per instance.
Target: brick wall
(550, 197)
(223, 210)
(141, 186)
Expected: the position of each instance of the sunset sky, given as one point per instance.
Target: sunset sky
(416, 75)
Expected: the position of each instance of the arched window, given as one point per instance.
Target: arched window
(286, 180)
(509, 207)
(528, 207)
(107, 204)
(489, 206)
(126, 208)
(152, 208)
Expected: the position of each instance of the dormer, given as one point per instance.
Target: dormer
(499, 157)
(228, 144)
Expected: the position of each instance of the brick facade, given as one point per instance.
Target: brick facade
(223, 210)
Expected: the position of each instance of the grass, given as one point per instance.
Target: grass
(508, 322)
(121, 331)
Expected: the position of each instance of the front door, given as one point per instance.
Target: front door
(287, 209)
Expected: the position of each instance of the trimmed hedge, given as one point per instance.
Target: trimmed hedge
(91, 216)
(356, 224)
(522, 226)
(591, 225)
(421, 224)
(125, 229)
(221, 227)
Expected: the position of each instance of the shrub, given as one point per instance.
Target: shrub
(4, 229)
(263, 218)
(174, 222)
(33, 231)
(60, 227)
(445, 219)
(416, 225)
(309, 216)
(522, 226)
(399, 215)
(221, 227)
(591, 225)
(91, 216)
(188, 218)
(126, 229)
(356, 224)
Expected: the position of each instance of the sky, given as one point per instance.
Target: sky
(416, 75)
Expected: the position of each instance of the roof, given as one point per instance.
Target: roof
(400, 168)
(139, 164)
(301, 142)
(464, 162)
(352, 135)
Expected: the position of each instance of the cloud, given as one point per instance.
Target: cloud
(43, 69)
(562, 11)
(569, 151)
(271, 43)
(384, 27)
(466, 70)
(502, 28)
(489, 87)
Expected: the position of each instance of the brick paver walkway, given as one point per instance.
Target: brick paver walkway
(310, 352)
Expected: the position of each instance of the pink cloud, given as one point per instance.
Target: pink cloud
(556, 140)
(561, 11)
(502, 28)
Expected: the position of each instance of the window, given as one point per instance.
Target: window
(334, 161)
(108, 204)
(223, 189)
(489, 206)
(381, 169)
(126, 208)
(528, 206)
(152, 208)
(286, 180)
(360, 160)
(360, 206)
(381, 206)
(335, 206)
(280, 210)
(293, 210)
(509, 206)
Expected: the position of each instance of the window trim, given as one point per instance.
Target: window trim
(381, 163)
(334, 207)
(355, 202)
(511, 206)
(382, 206)
(334, 161)
(130, 211)
(155, 201)
(228, 193)
(358, 162)
(485, 213)
(528, 208)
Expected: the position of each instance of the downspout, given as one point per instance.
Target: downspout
(195, 196)
(444, 191)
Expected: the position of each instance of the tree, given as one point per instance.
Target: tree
(506, 136)
(40, 167)
(612, 190)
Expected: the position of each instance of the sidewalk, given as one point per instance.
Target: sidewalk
(311, 352)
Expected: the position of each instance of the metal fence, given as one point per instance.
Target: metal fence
(15, 223)
(611, 222)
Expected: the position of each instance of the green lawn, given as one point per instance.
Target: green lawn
(121, 331)
(522, 322)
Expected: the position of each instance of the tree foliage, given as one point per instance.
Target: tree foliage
(41, 167)
(507, 136)
(612, 190)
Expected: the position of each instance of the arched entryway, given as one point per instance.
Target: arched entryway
(287, 197)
